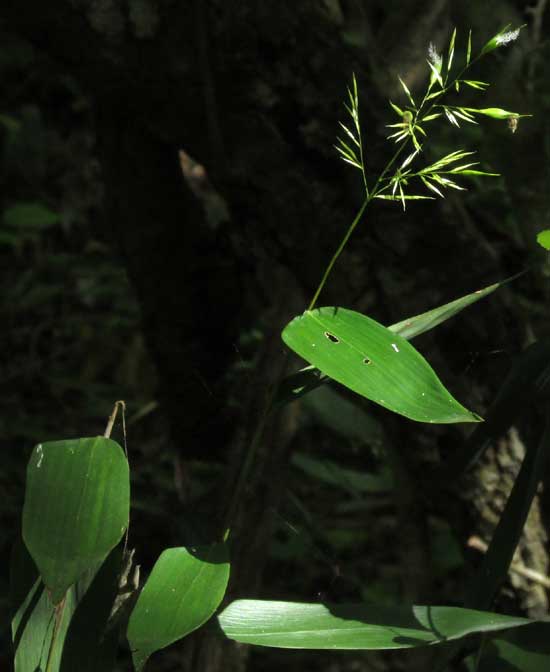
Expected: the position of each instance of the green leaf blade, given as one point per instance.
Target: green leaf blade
(182, 592)
(371, 360)
(76, 507)
(413, 326)
(291, 625)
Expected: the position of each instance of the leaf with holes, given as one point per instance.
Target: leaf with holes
(369, 359)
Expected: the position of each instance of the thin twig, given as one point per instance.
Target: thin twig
(58, 611)
(517, 566)
(111, 422)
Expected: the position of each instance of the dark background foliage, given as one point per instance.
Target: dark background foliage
(129, 271)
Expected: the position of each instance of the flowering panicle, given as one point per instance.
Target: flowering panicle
(435, 58)
(507, 37)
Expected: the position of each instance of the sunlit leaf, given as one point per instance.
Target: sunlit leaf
(477, 172)
(413, 326)
(431, 186)
(291, 625)
(430, 117)
(476, 84)
(408, 93)
(406, 197)
(371, 360)
(435, 74)
(300, 383)
(396, 109)
(76, 507)
(445, 161)
(182, 592)
(451, 51)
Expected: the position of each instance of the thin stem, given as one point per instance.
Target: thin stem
(338, 252)
(374, 191)
(111, 422)
(58, 610)
(390, 163)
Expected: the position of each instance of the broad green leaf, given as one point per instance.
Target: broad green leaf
(543, 239)
(291, 625)
(183, 591)
(81, 642)
(310, 378)
(76, 507)
(413, 326)
(371, 360)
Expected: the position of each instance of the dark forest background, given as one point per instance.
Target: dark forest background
(169, 198)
